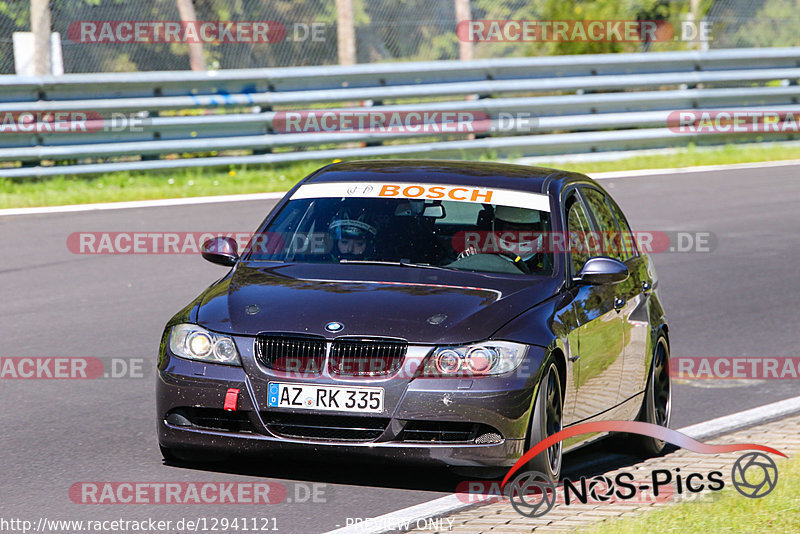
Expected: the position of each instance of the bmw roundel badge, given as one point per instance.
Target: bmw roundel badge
(334, 326)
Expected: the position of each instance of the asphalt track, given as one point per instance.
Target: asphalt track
(735, 301)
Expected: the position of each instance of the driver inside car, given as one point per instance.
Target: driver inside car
(517, 235)
(353, 239)
(518, 232)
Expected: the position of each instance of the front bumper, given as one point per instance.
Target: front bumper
(496, 406)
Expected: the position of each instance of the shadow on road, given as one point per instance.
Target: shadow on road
(588, 461)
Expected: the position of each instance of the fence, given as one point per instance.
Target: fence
(517, 106)
(384, 30)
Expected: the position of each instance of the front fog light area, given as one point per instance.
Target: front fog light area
(196, 343)
(488, 358)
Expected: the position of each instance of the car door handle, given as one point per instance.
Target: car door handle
(618, 303)
(646, 287)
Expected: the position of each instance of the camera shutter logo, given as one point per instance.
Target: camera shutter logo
(601, 488)
(754, 475)
(531, 494)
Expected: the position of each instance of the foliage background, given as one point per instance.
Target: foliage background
(386, 30)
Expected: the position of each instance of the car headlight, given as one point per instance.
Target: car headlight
(481, 359)
(196, 343)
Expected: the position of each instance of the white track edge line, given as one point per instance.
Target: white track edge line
(451, 503)
(162, 202)
(696, 168)
(730, 423)
(277, 195)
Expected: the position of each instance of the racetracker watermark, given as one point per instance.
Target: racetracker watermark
(409, 121)
(197, 31)
(69, 122)
(70, 368)
(592, 243)
(557, 31)
(177, 493)
(320, 243)
(696, 121)
(148, 493)
(162, 242)
(735, 368)
(564, 30)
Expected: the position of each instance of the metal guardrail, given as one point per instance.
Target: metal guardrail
(580, 104)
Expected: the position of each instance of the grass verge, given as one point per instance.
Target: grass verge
(117, 187)
(692, 156)
(122, 186)
(779, 511)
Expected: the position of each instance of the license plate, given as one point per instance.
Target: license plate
(314, 397)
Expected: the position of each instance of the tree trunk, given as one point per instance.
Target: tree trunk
(196, 59)
(346, 32)
(463, 12)
(40, 26)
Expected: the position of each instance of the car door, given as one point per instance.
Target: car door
(599, 331)
(637, 313)
(627, 294)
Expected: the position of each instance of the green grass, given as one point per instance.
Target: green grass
(690, 157)
(116, 187)
(121, 186)
(778, 511)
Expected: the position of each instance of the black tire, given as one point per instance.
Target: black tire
(546, 420)
(657, 403)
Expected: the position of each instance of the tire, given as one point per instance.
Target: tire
(657, 403)
(546, 420)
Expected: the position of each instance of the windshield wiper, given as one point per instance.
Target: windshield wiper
(395, 264)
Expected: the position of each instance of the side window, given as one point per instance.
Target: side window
(609, 229)
(582, 246)
(628, 241)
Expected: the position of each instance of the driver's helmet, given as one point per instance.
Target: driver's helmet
(353, 238)
(518, 231)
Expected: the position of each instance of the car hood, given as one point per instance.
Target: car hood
(425, 306)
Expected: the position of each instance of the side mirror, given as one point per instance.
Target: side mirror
(221, 250)
(602, 270)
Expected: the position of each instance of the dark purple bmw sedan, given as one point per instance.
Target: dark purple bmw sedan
(420, 311)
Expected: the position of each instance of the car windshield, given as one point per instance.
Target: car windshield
(461, 235)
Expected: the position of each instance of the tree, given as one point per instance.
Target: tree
(769, 27)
